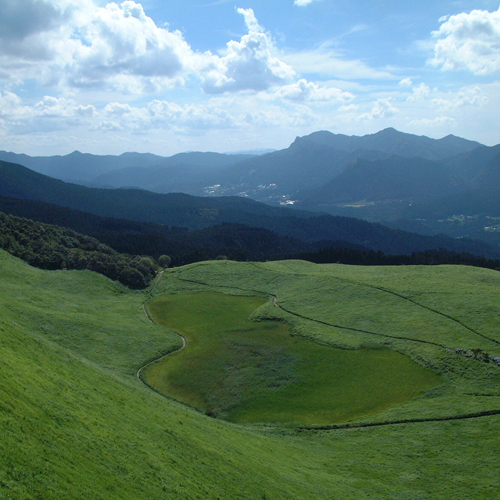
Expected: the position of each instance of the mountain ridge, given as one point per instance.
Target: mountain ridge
(196, 213)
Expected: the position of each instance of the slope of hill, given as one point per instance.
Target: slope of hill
(53, 247)
(394, 178)
(314, 160)
(235, 241)
(457, 196)
(197, 213)
(76, 423)
(472, 212)
(280, 176)
(78, 167)
(465, 167)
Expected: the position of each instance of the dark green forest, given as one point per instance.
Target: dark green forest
(52, 247)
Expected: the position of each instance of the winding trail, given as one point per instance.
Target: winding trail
(148, 316)
(157, 360)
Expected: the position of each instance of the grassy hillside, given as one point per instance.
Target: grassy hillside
(77, 423)
(422, 312)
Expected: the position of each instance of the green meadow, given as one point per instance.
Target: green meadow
(259, 372)
(77, 423)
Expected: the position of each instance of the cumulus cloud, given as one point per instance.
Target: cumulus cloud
(49, 114)
(310, 91)
(466, 97)
(382, 108)
(21, 19)
(228, 112)
(11, 106)
(406, 82)
(78, 44)
(248, 64)
(302, 3)
(55, 107)
(165, 114)
(469, 41)
(420, 92)
(122, 40)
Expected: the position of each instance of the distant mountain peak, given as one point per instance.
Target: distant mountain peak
(388, 130)
(392, 141)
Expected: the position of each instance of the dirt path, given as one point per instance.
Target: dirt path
(157, 360)
(146, 313)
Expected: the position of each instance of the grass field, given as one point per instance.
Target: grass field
(76, 423)
(257, 372)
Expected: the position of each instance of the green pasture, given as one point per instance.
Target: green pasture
(76, 423)
(425, 313)
(258, 372)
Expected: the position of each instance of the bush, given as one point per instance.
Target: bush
(164, 261)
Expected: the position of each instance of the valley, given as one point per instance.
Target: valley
(181, 346)
(249, 251)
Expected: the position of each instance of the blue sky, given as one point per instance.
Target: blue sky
(218, 75)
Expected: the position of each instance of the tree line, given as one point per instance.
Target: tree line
(372, 258)
(53, 247)
(49, 246)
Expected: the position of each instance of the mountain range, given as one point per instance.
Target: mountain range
(226, 217)
(404, 181)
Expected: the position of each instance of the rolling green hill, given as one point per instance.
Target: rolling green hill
(76, 423)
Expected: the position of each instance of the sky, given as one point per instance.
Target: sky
(166, 76)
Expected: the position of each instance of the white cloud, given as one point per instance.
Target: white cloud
(49, 114)
(119, 48)
(11, 106)
(349, 108)
(406, 82)
(302, 3)
(310, 91)
(107, 126)
(87, 110)
(55, 107)
(113, 47)
(420, 92)
(164, 114)
(326, 62)
(123, 41)
(469, 41)
(248, 64)
(437, 122)
(22, 19)
(472, 96)
(382, 108)
(117, 109)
